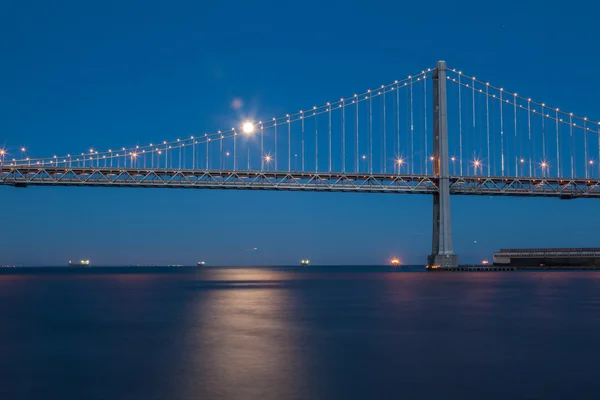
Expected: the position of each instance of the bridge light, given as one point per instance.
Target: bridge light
(23, 149)
(432, 158)
(522, 161)
(2, 152)
(453, 159)
(248, 127)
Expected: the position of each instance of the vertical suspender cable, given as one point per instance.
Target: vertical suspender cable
(343, 136)
(529, 137)
(398, 119)
(425, 134)
(234, 150)
(460, 146)
(585, 156)
(412, 132)
(370, 132)
(571, 146)
(515, 138)
(302, 118)
(329, 135)
(557, 146)
(316, 143)
(383, 158)
(356, 128)
(543, 135)
(501, 135)
(487, 114)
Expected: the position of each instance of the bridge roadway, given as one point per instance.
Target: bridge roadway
(566, 188)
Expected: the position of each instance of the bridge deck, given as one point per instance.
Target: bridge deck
(294, 180)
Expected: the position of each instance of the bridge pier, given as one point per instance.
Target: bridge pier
(442, 255)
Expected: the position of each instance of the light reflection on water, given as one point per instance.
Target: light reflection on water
(242, 339)
(317, 333)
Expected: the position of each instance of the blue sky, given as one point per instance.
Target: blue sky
(76, 75)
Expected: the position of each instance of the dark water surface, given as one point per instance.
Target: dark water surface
(335, 333)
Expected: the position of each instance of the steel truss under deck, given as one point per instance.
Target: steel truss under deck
(23, 176)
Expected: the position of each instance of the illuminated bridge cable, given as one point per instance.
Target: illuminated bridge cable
(557, 146)
(487, 113)
(460, 141)
(516, 154)
(316, 144)
(530, 142)
(329, 136)
(383, 158)
(412, 132)
(571, 145)
(356, 129)
(585, 151)
(501, 134)
(370, 153)
(343, 137)
(398, 120)
(302, 118)
(425, 134)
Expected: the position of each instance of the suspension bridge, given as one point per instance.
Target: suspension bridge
(438, 132)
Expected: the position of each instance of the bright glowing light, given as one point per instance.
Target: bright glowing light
(268, 158)
(484, 262)
(399, 161)
(432, 158)
(364, 157)
(544, 164)
(23, 149)
(477, 163)
(248, 127)
(395, 261)
(453, 158)
(2, 152)
(591, 161)
(522, 161)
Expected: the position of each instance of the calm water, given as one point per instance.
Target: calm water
(335, 333)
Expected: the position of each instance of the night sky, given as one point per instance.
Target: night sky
(79, 75)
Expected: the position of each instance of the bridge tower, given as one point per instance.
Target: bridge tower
(442, 254)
